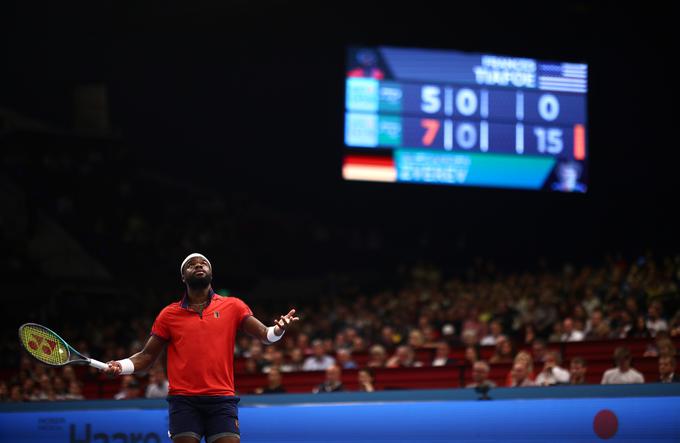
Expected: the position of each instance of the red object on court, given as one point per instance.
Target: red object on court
(605, 424)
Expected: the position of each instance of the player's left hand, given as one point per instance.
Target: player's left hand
(285, 321)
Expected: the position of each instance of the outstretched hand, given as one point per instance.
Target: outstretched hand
(285, 321)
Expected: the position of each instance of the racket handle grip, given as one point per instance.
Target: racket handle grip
(97, 364)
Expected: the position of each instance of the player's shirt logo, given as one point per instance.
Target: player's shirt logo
(217, 314)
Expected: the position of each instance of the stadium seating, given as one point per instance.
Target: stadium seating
(598, 355)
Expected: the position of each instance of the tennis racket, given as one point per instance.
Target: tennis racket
(47, 347)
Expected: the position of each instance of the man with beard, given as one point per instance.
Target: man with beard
(199, 332)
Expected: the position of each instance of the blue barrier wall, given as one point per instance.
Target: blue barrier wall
(401, 417)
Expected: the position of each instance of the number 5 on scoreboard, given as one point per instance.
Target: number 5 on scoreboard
(431, 127)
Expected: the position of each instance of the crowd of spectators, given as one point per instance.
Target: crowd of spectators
(37, 382)
(519, 314)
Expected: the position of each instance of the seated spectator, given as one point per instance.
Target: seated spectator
(469, 337)
(662, 345)
(472, 325)
(655, 321)
(639, 329)
(129, 388)
(158, 384)
(538, 350)
(269, 356)
(319, 360)
(480, 375)
(431, 336)
(525, 358)
(674, 327)
(351, 335)
(569, 331)
(377, 357)
(26, 365)
(242, 346)
(341, 341)
(328, 346)
(60, 389)
(529, 334)
(75, 392)
(621, 324)
(358, 344)
(667, 373)
(448, 333)
(343, 358)
(366, 380)
(303, 343)
(580, 325)
(295, 361)
(274, 385)
(255, 354)
(545, 314)
(596, 326)
(275, 360)
(471, 355)
(504, 352)
(623, 373)
(416, 339)
(495, 332)
(16, 394)
(4, 391)
(441, 356)
(333, 381)
(666, 347)
(578, 369)
(30, 390)
(42, 389)
(557, 332)
(591, 301)
(250, 366)
(552, 373)
(580, 317)
(403, 357)
(631, 305)
(602, 332)
(389, 338)
(69, 374)
(520, 375)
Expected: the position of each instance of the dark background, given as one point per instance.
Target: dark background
(240, 104)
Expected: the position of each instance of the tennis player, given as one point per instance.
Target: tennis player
(199, 332)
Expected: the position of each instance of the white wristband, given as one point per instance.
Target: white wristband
(127, 367)
(271, 336)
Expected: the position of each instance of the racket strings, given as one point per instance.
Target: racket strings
(44, 345)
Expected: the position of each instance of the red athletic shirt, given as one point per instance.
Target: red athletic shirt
(201, 347)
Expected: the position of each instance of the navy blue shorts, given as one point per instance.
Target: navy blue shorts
(212, 417)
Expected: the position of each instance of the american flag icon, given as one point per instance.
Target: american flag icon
(565, 77)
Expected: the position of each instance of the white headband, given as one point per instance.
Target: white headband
(189, 257)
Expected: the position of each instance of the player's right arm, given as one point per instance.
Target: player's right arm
(142, 360)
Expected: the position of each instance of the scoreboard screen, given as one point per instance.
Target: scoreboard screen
(467, 119)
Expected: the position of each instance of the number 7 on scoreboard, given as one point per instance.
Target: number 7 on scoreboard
(431, 127)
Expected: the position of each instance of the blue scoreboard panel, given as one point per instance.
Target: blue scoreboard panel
(455, 118)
